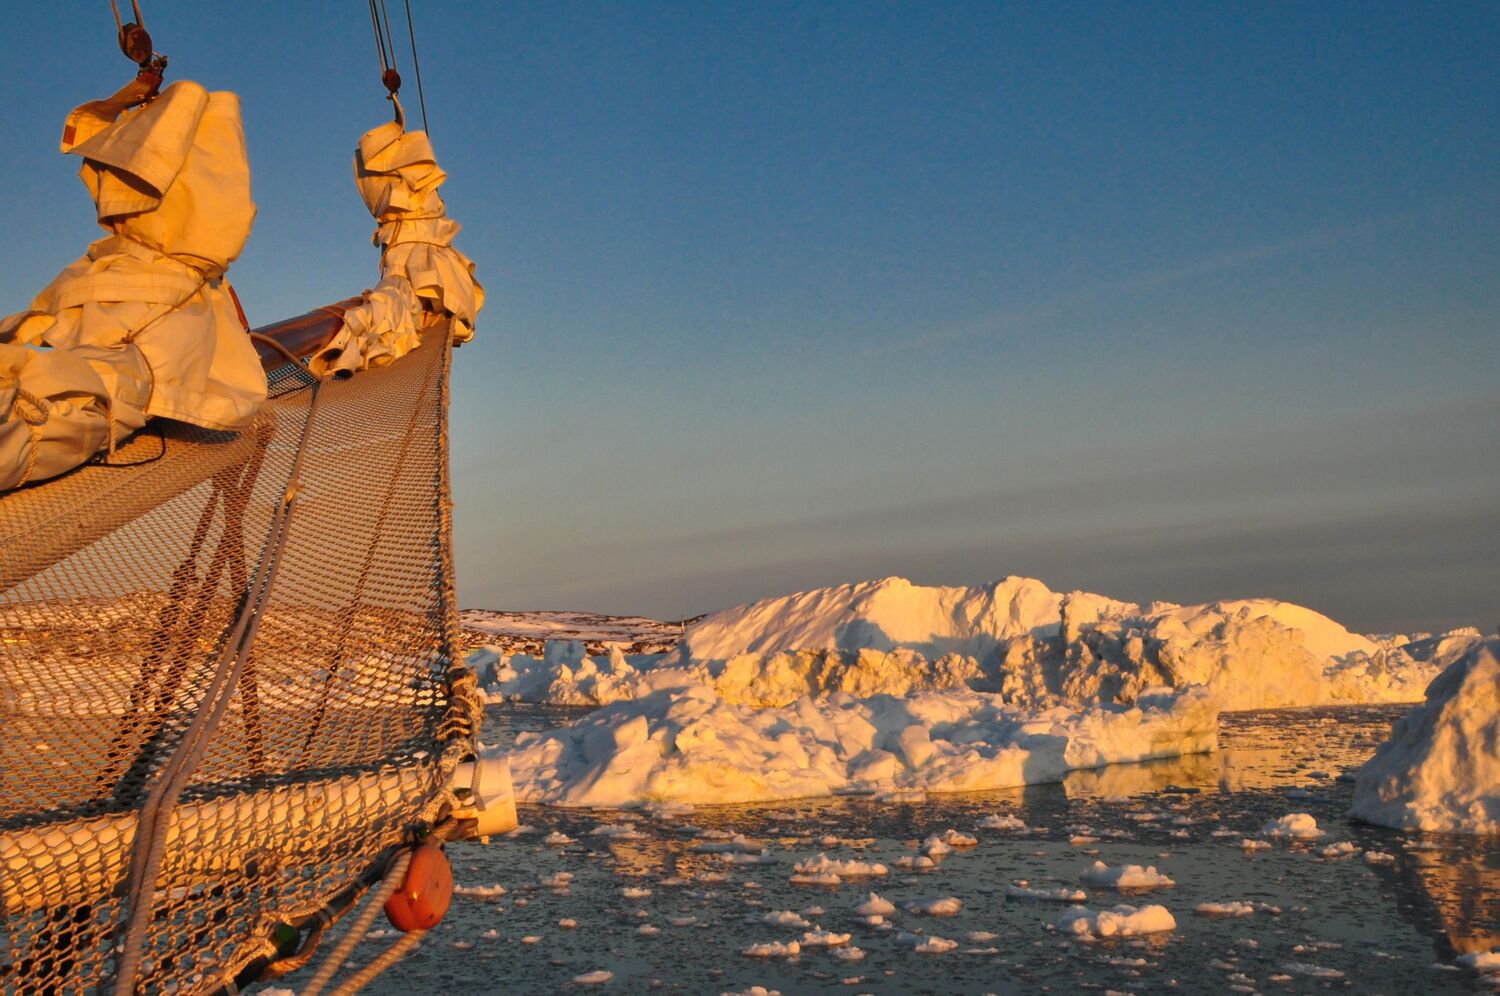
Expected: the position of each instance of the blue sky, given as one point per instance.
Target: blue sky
(1164, 301)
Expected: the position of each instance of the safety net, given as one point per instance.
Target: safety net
(230, 683)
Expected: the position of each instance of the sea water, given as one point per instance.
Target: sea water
(645, 907)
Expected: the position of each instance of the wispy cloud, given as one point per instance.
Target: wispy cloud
(1137, 283)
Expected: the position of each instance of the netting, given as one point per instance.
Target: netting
(313, 641)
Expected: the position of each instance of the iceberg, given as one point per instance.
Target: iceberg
(687, 745)
(1440, 769)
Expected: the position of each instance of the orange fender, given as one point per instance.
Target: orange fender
(425, 893)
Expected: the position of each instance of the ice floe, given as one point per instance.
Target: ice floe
(1101, 875)
(1121, 921)
(1022, 889)
(1293, 826)
(685, 745)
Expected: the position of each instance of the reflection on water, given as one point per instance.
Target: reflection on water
(1364, 926)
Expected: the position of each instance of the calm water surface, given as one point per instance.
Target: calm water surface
(1344, 924)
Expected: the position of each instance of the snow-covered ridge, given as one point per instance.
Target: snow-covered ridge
(528, 632)
(1015, 637)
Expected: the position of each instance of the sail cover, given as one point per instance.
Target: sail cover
(421, 271)
(147, 313)
(291, 582)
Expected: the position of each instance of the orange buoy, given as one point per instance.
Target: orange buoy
(425, 893)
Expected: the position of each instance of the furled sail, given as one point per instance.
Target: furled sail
(421, 272)
(145, 323)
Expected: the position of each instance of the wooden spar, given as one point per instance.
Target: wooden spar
(84, 860)
(304, 335)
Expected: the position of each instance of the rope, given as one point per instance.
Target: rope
(135, 5)
(379, 40)
(41, 411)
(416, 66)
(155, 816)
(357, 930)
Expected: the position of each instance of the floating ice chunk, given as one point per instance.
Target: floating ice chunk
(737, 844)
(567, 923)
(1343, 849)
(1125, 877)
(617, 831)
(668, 810)
(736, 858)
(952, 838)
(874, 905)
(919, 862)
(848, 953)
(635, 892)
(595, 978)
(1003, 822)
(1379, 858)
(1294, 826)
(1121, 921)
(754, 991)
(558, 839)
(648, 930)
(1232, 908)
(1251, 844)
(980, 936)
(926, 944)
(823, 864)
(823, 938)
(1485, 962)
(480, 891)
(785, 918)
(773, 949)
(558, 880)
(816, 878)
(1310, 970)
(946, 906)
(1063, 893)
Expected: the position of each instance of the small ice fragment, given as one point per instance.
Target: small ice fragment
(1061, 894)
(1294, 826)
(874, 905)
(823, 938)
(1311, 971)
(773, 949)
(479, 891)
(785, 918)
(1005, 822)
(596, 978)
(1121, 921)
(946, 906)
(1125, 877)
